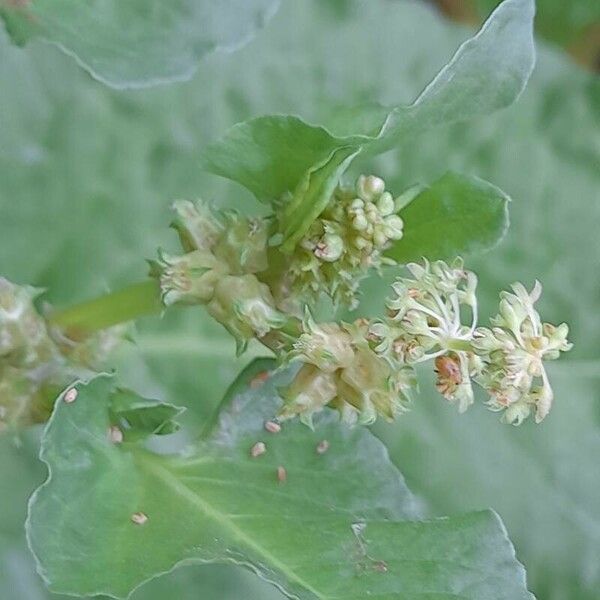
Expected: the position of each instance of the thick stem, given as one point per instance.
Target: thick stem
(127, 304)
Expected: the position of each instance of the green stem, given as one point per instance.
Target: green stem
(124, 305)
(459, 345)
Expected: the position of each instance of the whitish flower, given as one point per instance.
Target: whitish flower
(514, 351)
(425, 322)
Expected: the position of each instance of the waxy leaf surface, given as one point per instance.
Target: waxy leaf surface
(141, 42)
(337, 524)
(456, 215)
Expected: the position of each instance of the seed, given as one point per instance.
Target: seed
(322, 447)
(272, 427)
(70, 395)
(258, 449)
(139, 518)
(115, 435)
(281, 474)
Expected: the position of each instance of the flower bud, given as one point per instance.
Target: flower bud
(197, 225)
(245, 307)
(326, 346)
(394, 227)
(370, 187)
(310, 391)
(385, 204)
(359, 222)
(330, 248)
(186, 279)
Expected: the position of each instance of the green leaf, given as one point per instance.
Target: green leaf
(141, 42)
(275, 154)
(312, 195)
(487, 73)
(455, 215)
(20, 473)
(335, 527)
(270, 155)
(143, 417)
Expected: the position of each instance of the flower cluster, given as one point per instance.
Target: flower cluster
(232, 265)
(36, 360)
(347, 240)
(514, 351)
(366, 368)
(340, 369)
(224, 253)
(424, 323)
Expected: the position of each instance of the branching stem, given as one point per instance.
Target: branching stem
(134, 301)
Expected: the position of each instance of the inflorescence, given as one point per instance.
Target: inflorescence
(366, 368)
(38, 360)
(234, 266)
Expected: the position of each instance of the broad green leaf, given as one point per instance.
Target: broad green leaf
(487, 73)
(20, 473)
(272, 155)
(312, 195)
(455, 215)
(331, 525)
(141, 42)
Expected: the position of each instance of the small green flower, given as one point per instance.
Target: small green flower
(198, 225)
(187, 279)
(239, 243)
(326, 346)
(425, 319)
(310, 391)
(24, 338)
(245, 307)
(243, 245)
(33, 365)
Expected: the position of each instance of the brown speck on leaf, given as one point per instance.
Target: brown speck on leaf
(259, 379)
(258, 449)
(322, 447)
(139, 518)
(272, 427)
(115, 435)
(70, 395)
(380, 566)
(281, 474)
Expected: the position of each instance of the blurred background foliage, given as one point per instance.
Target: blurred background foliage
(87, 174)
